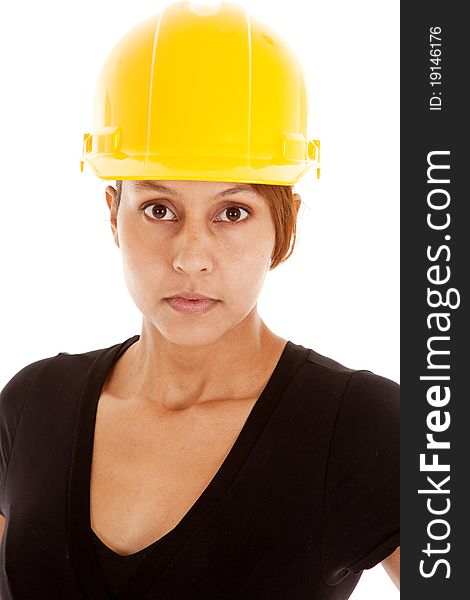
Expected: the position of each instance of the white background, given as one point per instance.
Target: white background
(61, 282)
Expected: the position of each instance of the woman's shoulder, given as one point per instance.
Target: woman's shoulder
(15, 391)
(365, 405)
(354, 405)
(359, 383)
(64, 366)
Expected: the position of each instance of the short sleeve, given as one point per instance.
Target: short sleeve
(361, 515)
(12, 400)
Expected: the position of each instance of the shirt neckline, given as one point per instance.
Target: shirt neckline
(82, 552)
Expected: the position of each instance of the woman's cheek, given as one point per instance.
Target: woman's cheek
(251, 243)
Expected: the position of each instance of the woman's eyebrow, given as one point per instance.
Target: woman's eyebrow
(244, 187)
(152, 185)
(158, 187)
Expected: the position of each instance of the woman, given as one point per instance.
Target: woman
(207, 457)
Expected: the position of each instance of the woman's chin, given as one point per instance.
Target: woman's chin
(197, 329)
(191, 331)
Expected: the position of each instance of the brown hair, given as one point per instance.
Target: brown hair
(281, 201)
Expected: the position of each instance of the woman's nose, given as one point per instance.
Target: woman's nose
(193, 253)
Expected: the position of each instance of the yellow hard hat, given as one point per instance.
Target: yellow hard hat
(201, 93)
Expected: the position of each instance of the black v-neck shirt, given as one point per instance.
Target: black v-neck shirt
(307, 497)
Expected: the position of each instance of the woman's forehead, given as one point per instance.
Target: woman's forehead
(181, 188)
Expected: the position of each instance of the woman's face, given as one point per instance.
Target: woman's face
(193, 237)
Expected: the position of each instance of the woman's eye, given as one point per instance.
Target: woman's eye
(158, 212)
(234, 214)
(161, 212)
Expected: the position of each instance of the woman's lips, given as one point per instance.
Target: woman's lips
(193, 307)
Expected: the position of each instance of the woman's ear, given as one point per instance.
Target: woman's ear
(297, 202)
(111, 195)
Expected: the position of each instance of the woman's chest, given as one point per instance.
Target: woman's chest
(261, 508)
(148, 470)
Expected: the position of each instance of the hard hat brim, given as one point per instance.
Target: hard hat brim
(111, 167)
